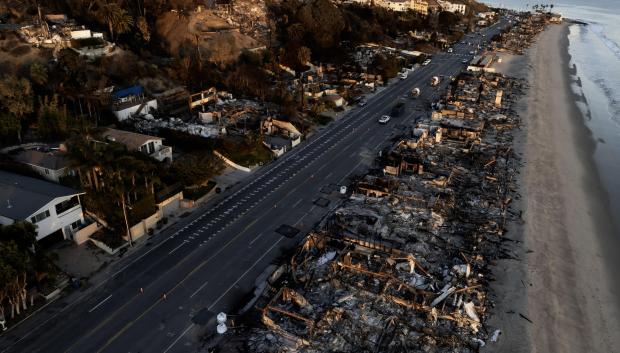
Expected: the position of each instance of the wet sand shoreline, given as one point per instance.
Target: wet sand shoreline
(561, 294)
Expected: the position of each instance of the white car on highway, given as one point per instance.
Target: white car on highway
(426, 62)
(384, 119)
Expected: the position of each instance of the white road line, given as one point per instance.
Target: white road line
(351, 171)
(199, 289)
(328, 175)
(100, 303)
(301, 218)
(256, 238)
(243, 275)
(297, 203)
(178, 338)
(175, 249)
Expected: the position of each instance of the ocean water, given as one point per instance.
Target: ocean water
(595, 57)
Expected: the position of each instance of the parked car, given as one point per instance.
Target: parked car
(426, 62)
(361, 103)
(464, 61)
(384, 119)
(450, 50)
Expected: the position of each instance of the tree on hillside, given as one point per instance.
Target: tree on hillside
(304, 55)
(248, 79)
(52, 119)
(126, 178)
(15, 103)
(196, 168)
(115, 17)
(38, 73)
(447, 20)
(296, 32)
(19, 265)
(323, 20)
(86, 159)
(143, 27)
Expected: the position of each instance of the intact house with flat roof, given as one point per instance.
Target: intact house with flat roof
(50, 165)
(152, 146)
(55, 210)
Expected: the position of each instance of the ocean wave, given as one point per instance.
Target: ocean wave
(614, 102)
(599, 31)
(608, 85)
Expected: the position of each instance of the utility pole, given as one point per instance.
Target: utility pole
(126, 220)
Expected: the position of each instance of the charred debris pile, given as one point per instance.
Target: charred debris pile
(403, 264)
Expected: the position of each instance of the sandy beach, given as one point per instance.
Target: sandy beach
(562, 294)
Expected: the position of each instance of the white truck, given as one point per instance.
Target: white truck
(403, 75)
(435, 80)
(415, 92)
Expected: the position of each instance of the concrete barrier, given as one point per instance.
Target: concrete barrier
(83, 234)
(104, 247)
(231, 163)
(142, 227)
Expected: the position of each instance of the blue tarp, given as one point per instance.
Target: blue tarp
(129, 91)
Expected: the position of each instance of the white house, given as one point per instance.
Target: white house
(397, 5)
(152, 146)
(453, 6)
(419, 6)
(54, 209)
(50, 165)
(132, 101)
(90, 44)
(137, 106)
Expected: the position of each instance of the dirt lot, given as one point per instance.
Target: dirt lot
(218, 41)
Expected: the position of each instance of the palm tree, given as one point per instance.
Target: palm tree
(123, 23)
(85, 159)
(117, 19)
(38, 73)
(304, 55)
(16, 100)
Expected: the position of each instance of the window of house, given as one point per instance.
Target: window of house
(76, 224)
(67, 204)
(47, 171)
(151, 147)
(39, 217)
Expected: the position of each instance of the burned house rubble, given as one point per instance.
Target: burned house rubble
(524, 30)
(57, 31)
(209, 113)
(402, 264)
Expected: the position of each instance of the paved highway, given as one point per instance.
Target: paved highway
(213, 258)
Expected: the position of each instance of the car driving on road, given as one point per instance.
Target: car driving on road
(384, 119)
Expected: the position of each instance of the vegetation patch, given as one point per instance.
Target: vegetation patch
(246, 151)
(194, 193)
